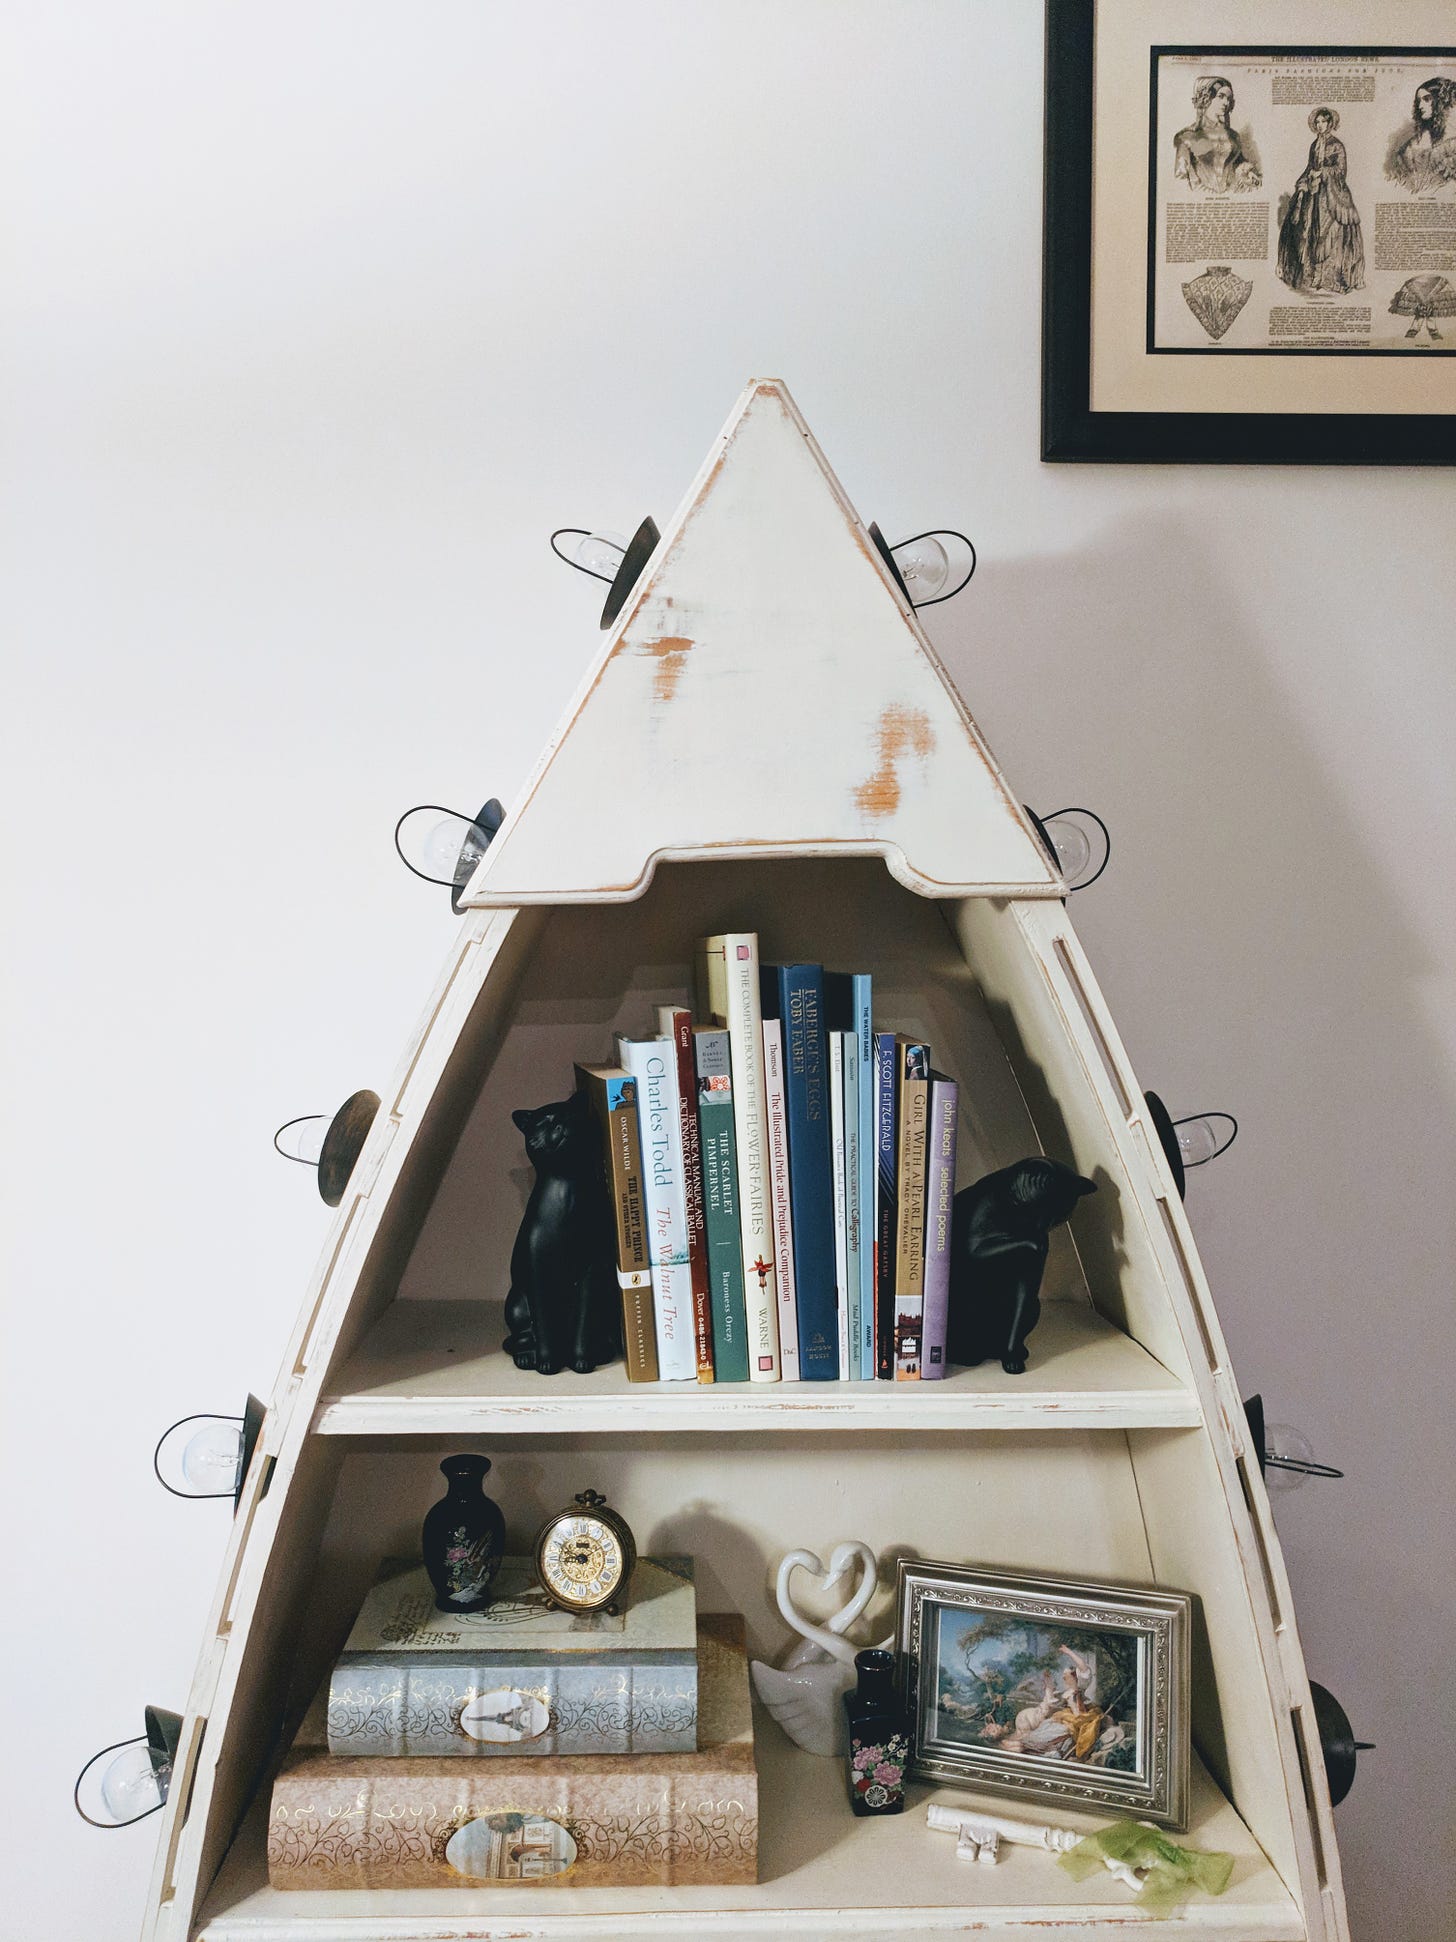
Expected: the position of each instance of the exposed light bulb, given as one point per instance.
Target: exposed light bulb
(1074, 852)
(303, 1139)
(131, 1786)
(1079, 843)
(600, 554)
(1289, 1458)
(924, 567)
(213, 1457)
(1203, 1136)
(441, 848)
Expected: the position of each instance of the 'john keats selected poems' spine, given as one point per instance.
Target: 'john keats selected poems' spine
(728, 977)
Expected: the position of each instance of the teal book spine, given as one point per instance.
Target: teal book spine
(714, 1067)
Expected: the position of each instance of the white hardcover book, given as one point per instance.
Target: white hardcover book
(728, 970)
(836, 1175)
(653, 1064)
(783, 1213)
(853, 1227)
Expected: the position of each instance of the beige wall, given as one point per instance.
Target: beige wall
(320, 317)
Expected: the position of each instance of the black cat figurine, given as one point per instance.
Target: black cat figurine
(998, 1246)
(564, 1309)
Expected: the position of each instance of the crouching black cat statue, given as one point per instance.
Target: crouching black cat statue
(563, 1309)
(998, 1249)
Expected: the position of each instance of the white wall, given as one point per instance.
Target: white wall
(319, 317)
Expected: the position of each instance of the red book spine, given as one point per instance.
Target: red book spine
(677, 1024)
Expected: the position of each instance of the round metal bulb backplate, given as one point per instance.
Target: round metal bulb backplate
(1168, 1140)
(639, 552)
(348, 1130)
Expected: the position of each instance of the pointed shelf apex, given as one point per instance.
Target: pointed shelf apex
(766, 691)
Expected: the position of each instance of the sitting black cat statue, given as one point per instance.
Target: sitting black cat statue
(998, 1249)
(564, 1309)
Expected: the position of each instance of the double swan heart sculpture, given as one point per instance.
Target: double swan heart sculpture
(805, 1694)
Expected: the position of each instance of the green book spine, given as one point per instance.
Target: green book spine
(720, 1203)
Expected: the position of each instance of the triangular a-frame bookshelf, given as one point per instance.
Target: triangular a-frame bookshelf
(765, 741)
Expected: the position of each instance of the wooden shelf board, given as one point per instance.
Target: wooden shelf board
(436, 1367)
(822, 1874)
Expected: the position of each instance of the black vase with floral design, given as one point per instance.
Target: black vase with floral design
(464, 1537)
(879, 1737)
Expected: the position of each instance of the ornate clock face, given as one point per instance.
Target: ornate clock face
(582, 1562)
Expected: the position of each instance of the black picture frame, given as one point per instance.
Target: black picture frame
(1071, 432)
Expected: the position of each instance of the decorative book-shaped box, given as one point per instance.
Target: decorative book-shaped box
(684, 1818)
(522, 1677)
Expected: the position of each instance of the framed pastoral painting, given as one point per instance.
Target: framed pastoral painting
(1250, 232)
(1049, 1689)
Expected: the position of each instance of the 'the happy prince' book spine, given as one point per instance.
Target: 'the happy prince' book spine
(613, 1094)
(653, 1064)
(811, 1178)
(676, 1022)
(887, 1158)
(847, 1006)
(783, 1216)
(912, 1113)
(728, 972)
(714, 1067)
(841, 1205)
(939, 1208)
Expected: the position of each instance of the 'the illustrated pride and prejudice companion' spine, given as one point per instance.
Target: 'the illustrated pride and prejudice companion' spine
(847, 1008)
(939, 1210)
(728, 975)
(783, 1213)
(887, 1162)
(676, 1023)
(613, 1094)
(841, 1203)
(653, 1064)
(912, 1080)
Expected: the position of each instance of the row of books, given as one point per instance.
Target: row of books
(783, 1178)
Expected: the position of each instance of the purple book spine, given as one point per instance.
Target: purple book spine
(939, 1206)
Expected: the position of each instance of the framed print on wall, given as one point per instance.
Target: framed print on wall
(1249, 249)
(1048, 1689)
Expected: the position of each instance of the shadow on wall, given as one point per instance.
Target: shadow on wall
(1255, 957)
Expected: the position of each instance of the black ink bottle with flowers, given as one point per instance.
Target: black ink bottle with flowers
(879, 1737)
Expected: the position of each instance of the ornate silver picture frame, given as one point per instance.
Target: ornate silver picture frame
(1050, 1689)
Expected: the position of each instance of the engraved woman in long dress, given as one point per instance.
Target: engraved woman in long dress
(1320, 245)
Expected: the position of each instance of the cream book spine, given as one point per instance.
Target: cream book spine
(728, 976)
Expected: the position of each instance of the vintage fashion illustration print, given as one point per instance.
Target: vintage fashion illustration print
(1308, 207)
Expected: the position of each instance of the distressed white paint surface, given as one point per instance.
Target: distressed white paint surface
(765, 692)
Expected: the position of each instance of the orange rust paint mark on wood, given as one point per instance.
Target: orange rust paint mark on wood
(668, 652)
(902, 731)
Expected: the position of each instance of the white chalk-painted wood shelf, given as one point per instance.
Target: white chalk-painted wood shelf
(864, 824)
(437, 1368)
(821, 1874)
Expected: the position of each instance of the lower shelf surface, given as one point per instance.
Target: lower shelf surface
(822, 1874)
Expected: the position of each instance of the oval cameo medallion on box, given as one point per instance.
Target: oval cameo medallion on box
(510, 1847)
(504, 1714)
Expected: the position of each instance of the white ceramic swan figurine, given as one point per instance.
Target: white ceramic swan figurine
(804, 1694)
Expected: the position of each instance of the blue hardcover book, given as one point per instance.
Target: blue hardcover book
(847, 998)
(811, 1181)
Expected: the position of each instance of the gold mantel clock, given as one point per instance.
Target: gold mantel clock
(585, 1555)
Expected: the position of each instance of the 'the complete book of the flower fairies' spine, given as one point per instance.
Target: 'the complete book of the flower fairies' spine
(676, 1023)
(613, 1094)
(714, 1066)
(939, 1208)
(728, 973)
(783, 1214)
(653, 1064)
